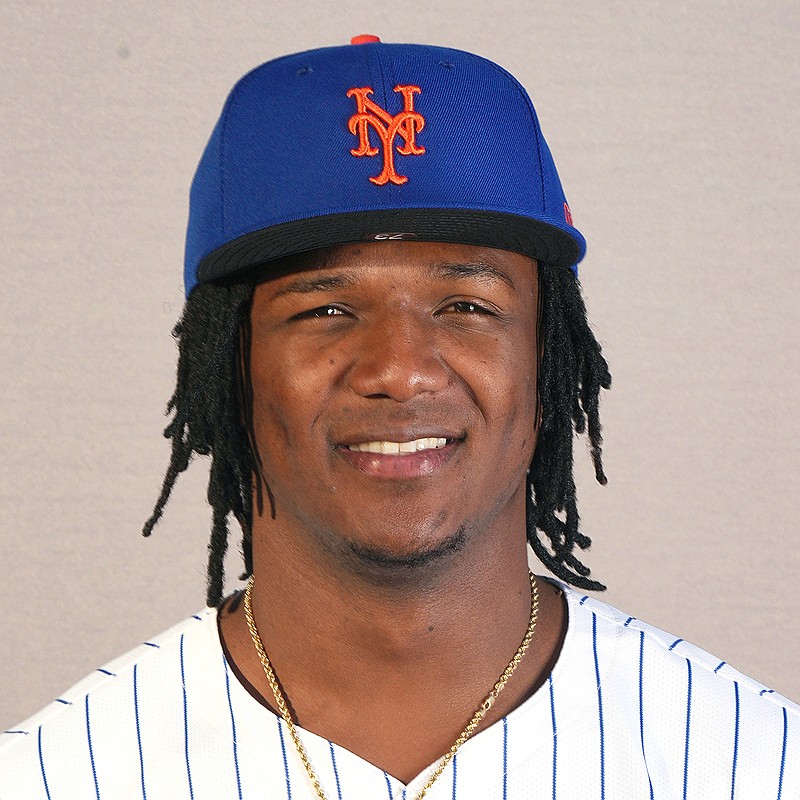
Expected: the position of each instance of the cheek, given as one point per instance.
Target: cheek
(287, 396)
(518, 423)
(505, 386)
(516, 428)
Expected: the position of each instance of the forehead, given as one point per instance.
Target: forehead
(386, 261)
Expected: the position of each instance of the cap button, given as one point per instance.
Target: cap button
(364, 38)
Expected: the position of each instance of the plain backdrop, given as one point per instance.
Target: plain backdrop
(674, 126)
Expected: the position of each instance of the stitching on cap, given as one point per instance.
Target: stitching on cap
(227, 111)
(537, 130)
(384, 101)
(523, 95)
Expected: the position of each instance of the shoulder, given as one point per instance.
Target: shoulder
(688, 715)
(67, 739)
(619, 639)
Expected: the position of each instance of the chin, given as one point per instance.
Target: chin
(388, 564)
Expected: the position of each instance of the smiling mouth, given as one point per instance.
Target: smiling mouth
(388, 448)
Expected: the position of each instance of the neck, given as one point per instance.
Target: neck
(369, 659)
(330, 625)
(328, 607)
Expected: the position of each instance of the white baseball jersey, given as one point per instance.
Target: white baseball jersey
(628, 712)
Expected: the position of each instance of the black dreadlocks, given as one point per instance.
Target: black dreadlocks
(212, 401)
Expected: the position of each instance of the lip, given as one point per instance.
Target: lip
(403, 466)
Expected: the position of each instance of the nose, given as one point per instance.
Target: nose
(398, 358)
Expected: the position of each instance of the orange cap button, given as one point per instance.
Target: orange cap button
(364, 38)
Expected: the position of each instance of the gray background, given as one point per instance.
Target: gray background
(675, 130)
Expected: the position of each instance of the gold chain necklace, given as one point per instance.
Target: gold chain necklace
(484, 707)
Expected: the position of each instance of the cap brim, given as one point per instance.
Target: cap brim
(520, 234)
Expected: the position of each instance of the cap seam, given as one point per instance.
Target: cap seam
(522, 92)
(534, 121)
(221, 167)
(384, 99)
(227, 111)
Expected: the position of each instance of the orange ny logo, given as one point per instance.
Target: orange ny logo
(406, 124)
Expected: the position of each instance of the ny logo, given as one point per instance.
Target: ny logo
(406, 124)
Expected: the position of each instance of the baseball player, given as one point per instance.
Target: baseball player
(385, 353)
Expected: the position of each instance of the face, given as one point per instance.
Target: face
(394, 396)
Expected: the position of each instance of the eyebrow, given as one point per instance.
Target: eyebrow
(322, 283)
(472, 269)
(479, 270)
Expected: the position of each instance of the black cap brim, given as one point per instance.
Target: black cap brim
(520, 234)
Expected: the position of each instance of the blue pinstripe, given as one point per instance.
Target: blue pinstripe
(233, 728)
(285, 761)
(783, 754)
(505, 758)
(675, 644)
(138, 728)
(735, 741)
(186, 724)
(91, 752)
(599, 709)
(740, 711)
(641, 708)
(719, 666)
(44, 774)
(388, 785)
(688, 728)
(335, 771)
(555, 733)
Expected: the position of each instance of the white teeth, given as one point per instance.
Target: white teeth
(398, 448)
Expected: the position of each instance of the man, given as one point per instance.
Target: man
(385, 352)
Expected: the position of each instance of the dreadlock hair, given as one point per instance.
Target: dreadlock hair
(572, 371)
(212, 415)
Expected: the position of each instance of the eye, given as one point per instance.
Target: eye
(467, 307)
(321, 312)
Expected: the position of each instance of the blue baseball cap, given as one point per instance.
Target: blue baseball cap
(371, 142)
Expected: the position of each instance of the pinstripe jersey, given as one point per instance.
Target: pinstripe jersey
(628, 712)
